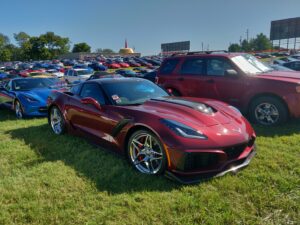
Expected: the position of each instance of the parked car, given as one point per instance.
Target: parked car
(184, 137)
(269, 97)
(97, 67)
(112, 65)
(279, 67)
(126, 73)
(72, 75)
(28, 96)
(294, 65)
(150, 76)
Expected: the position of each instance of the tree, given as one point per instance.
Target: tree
(4, 40)
(55, 44)
(81, 47)
(21, 38)
(234, 48)
(5, 55)
(106, 51)
(262, 42)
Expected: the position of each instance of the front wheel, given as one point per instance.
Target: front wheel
(18, 110)
(268, 111)
(146, 153)
(57, 121)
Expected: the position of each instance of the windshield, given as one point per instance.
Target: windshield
(250, 65)
(133, 92)
(83, 72)
(29, 84)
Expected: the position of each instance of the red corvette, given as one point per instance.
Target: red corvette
(188, 139)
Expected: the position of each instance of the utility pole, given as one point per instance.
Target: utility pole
(241, 40)
(247, 34)
(202, 46)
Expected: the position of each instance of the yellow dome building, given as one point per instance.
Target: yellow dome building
(126, 51)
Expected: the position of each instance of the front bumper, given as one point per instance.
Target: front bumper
(35, 110)
(230, 166)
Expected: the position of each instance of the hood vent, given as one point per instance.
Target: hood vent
(201, 107)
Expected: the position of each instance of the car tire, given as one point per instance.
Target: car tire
(146, 153)
(57, 121)
(18, 110)
(268, 111)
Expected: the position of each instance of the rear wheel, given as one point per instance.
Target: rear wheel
(57, 121)
(18, 110)
(268, 111)
(146, 153)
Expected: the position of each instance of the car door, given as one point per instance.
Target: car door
(227, 87)
(7, 95)
(193, 81)
(97, 123)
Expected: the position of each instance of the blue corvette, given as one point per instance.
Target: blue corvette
(28, 96)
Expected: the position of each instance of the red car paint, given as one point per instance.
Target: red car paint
(230, 136)
(239, 90)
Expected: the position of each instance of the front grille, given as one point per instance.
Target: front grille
(235, 151)
(43, 109)
(198, 161)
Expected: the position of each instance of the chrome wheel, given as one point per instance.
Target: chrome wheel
(146, 153)
(56, 120)
(266, 113)
(18, 110)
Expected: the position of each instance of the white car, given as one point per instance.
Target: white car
(73, 75)
(55, 72)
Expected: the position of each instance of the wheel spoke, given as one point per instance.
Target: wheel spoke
(137, 142)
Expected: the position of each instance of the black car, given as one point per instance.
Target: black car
(150, 76)
(294, 65)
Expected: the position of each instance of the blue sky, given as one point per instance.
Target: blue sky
(145, 23)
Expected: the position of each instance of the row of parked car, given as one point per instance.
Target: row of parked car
(188, 125)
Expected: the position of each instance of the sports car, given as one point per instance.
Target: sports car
(187, 139)
(28, 96)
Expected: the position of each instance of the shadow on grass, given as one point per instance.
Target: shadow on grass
(6, 114)
(106, 170)
(290, 128)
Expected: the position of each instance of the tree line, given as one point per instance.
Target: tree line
(43, 47)
(260, 43)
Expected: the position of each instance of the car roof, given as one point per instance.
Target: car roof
(205, 55)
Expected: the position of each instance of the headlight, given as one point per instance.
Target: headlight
(29, 99)
(183, 130)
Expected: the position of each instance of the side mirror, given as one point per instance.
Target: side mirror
(91, 101)
(231, 72)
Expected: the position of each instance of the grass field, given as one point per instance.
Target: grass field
(48, 179)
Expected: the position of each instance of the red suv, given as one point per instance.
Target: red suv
(269, 97)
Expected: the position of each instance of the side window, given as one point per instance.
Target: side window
(295, 65)
(92, 90)
(169, 66)
(217, 67)
(192, 66)
(8, 86)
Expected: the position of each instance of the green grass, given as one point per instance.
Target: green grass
(48, 179)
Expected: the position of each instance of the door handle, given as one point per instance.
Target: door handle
(180, 78)
(210, 81)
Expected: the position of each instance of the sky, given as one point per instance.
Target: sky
(145, 23)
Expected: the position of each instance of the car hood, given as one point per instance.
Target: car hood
(40, 94)
(188, 111)
(282, 75)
